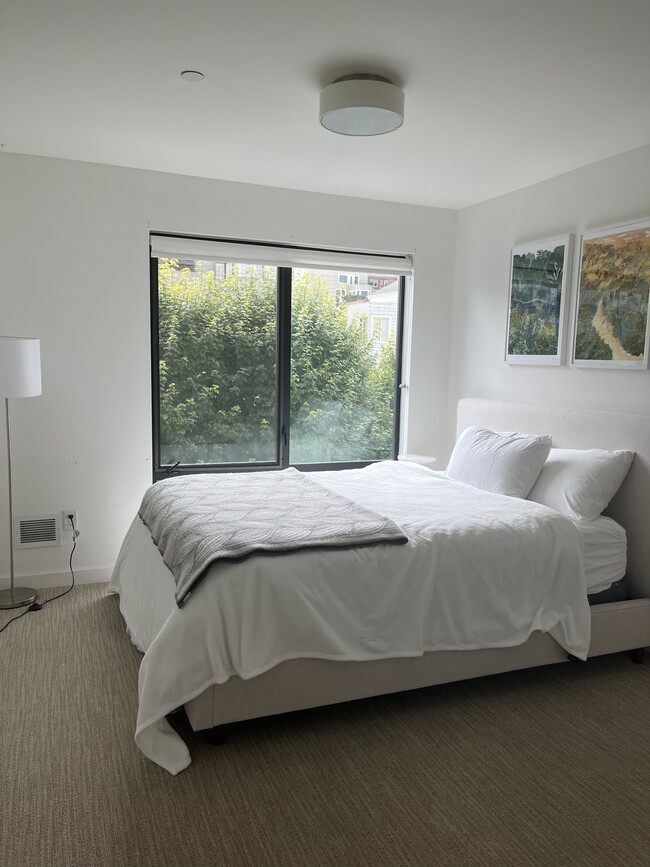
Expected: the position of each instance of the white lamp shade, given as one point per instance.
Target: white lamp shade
(20, 366)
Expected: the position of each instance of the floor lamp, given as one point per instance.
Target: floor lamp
(20, 376)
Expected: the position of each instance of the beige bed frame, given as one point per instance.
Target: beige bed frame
(616, 626)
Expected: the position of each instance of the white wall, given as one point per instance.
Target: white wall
(74, 252)
(605, 193)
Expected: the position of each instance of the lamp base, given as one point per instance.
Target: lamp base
(17, 597)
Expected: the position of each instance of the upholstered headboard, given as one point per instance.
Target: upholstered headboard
(584, 429)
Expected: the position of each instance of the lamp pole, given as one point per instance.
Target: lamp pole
(13, 597)
(20, 376)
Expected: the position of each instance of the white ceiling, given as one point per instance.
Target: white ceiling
(500, 94)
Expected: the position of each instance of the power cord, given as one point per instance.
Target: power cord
(26, 611)
(37, 606)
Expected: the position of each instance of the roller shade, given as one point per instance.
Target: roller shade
(164, 246)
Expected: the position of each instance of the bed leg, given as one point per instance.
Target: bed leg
(637, 655)
(216, 735)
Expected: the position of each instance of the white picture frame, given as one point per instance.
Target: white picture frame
(612, 309)
(540, 274)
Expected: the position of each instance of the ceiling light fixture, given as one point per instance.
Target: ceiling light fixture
(192, 75)
(362, 104)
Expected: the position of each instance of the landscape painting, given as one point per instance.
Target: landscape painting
(536, 317)
(612, 307)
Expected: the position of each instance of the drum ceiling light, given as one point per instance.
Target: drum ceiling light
(362, 104)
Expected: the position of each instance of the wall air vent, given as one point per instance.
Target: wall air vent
(37, 531)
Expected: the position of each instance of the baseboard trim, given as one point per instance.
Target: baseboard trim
(59, 579)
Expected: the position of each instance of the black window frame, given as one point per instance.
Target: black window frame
(283, 390)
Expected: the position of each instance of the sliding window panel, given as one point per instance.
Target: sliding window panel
(217, 367)
(345, 329)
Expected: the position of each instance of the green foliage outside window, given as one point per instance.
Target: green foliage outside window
(217, 347)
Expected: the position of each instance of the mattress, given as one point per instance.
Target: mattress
(604, 547)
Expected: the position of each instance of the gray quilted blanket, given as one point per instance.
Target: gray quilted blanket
(199, 519)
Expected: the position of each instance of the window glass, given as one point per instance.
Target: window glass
(261, 366)
(217, 347)
(342, 370)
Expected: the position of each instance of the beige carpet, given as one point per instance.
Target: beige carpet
(547, 767)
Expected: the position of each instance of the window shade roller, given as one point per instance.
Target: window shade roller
(163, 246)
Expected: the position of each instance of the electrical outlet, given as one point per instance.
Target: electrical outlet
(66, 523)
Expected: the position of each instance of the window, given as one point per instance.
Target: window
(380, 329)
(351, 279)
(260, 363)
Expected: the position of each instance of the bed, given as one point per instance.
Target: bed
(252, 675)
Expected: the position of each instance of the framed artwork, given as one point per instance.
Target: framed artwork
(612, 322)
(537, 301)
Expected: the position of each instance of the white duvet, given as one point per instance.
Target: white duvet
(479, 570)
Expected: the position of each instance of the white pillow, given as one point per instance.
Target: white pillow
(580, 482)
(504, 463)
